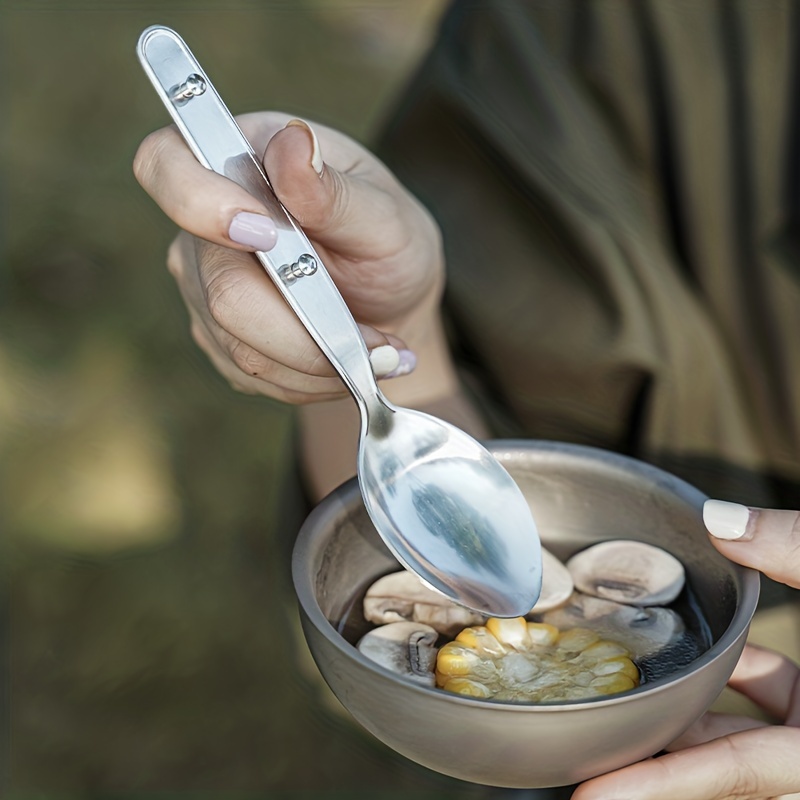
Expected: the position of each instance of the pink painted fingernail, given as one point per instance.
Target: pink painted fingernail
(726, 520)
(408, 361)
(253, 230)
(316, 156)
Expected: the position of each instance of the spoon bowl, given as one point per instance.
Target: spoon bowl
(449, 512)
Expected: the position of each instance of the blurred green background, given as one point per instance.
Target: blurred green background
(151, 641)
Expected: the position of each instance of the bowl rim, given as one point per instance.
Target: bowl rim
(349, 494)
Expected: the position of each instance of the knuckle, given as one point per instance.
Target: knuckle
(223, 295)
(247, 360)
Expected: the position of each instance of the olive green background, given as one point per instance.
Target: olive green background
(150, 633)
(148, 638)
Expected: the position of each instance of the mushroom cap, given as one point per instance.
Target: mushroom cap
(402, 596)
(643, 631)
(629, 572)
(557, 585)
(405, 648)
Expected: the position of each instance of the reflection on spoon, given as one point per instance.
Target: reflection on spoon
(463, 527)
(450, 513)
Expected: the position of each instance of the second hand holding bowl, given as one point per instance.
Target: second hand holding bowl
(440, 501)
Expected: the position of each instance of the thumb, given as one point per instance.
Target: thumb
(348, 208)
(765, 539)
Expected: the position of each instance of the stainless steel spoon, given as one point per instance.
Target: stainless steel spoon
(440, 501)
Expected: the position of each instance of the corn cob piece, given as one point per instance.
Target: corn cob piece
(532, 662)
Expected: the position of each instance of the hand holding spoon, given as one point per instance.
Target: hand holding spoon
(439, 500)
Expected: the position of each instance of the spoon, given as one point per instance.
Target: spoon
(440, 501)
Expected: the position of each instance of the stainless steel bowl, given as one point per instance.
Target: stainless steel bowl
(579, 495)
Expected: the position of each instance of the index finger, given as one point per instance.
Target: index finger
(199, 200)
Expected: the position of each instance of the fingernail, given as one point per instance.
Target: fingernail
(726, 520)
(384, 359)
(253, 230)
(316, 156)
(406, 364)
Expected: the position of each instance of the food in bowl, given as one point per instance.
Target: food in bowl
(602, 626)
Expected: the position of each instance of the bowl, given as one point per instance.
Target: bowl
(579, 496)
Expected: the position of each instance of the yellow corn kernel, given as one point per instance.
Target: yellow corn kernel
(577, 639)
(512, 632)
(542, 633)
(618, 665)
(605, 649)
(456, 659)
(612, 684)
(480, 640)
(441, 678)
(467, 687)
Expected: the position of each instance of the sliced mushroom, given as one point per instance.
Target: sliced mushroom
(557, 586)
(630, 572)
(643, 631)
(406, 648)
(402, 596)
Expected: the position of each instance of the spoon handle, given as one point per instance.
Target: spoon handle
(219, 144)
